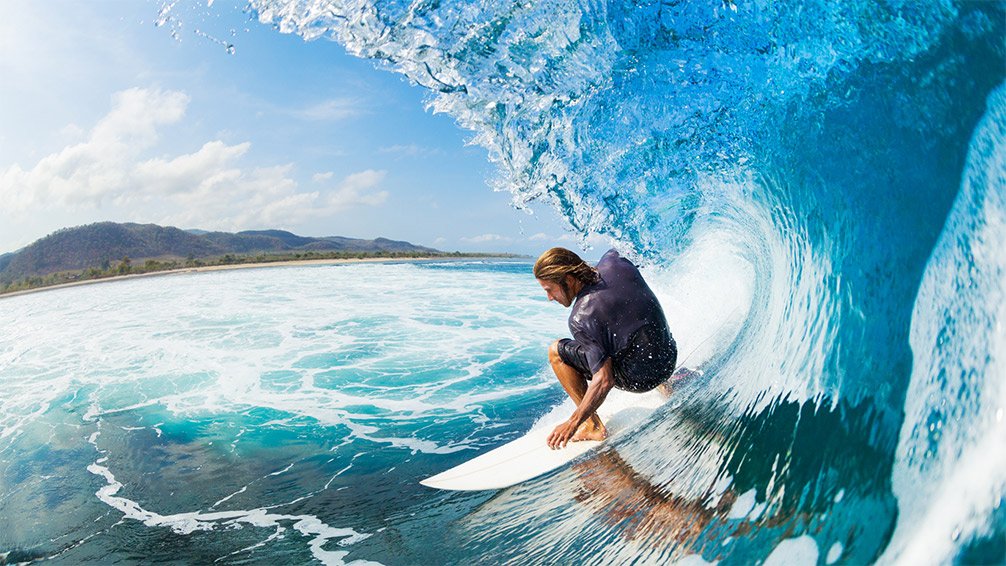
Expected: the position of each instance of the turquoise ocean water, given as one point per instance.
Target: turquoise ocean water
(268, 415)
(817, 191)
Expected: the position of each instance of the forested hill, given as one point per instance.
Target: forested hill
(107, 243)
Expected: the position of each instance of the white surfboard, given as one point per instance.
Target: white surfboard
(529, 456)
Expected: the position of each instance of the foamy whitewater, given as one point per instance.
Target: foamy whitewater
(817, 192)
(272, 415)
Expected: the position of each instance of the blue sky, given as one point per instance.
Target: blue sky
(215, 121)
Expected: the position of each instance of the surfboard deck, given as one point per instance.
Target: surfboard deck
(529, 456)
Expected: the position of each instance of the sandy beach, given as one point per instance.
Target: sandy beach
(287, 263)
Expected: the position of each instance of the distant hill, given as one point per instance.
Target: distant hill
(5, 259)
(104, 243)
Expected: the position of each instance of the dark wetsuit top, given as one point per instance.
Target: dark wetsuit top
(620, 318)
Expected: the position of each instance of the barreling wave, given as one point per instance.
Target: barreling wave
(808, 154)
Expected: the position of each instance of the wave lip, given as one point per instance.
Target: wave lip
(612, 111)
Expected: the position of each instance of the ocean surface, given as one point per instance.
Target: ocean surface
(816, 192)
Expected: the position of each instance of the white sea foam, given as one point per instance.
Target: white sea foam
(793, 552)
(216, 342)
(187, 523)
(284, 470)
(361, 354)
(834, 553)
(743, 506)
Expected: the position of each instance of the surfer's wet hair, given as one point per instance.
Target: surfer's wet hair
(555, 264)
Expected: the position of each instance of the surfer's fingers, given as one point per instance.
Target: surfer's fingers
(558, 438)
(561, 435)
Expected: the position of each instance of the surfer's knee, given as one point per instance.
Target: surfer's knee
(553, 353)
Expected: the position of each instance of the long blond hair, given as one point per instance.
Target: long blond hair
(555, 264)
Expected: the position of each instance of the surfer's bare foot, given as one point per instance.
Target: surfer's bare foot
(588, 431)
(665, 389)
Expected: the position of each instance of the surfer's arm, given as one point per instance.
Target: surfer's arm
(597, 390)
(602, 382)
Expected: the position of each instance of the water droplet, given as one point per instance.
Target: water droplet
(230, 49)
(956, 535)
(999, 415)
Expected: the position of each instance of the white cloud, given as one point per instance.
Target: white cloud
(208, 188)
(198, 172)
(540, 236)
(72, 132)
(268, 197)
(86, 173)
(136, 114)
(358, 189)
(483, 238)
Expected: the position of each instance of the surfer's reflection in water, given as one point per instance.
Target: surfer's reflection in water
(754, 482)
(620, 336)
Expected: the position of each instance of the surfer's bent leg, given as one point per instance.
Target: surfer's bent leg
(575, 383)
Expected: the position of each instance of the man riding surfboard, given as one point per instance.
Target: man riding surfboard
(620, 336)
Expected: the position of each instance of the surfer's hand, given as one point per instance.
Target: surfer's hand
(562, 434)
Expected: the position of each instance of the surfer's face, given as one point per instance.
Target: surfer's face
(556, 292)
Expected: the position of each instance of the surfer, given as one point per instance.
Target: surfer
(620, 336)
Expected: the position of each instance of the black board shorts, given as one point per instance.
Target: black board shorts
(645, 363)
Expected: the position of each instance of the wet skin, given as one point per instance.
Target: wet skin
(584, 424)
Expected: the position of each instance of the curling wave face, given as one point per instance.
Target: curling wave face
(804, 157)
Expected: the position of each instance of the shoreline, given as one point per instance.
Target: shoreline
(259, 265)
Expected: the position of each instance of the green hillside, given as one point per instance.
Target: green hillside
(107, 248)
